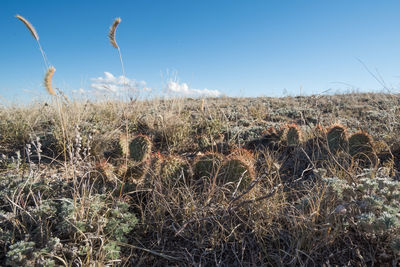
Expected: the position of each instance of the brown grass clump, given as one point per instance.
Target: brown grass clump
(111, 34)
(271, 206)
(47, 80)
(29, 26)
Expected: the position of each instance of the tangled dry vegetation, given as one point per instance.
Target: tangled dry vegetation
(308, 181)
(305, 181)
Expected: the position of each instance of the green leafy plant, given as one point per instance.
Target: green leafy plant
(372, 207)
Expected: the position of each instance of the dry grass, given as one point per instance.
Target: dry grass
(285, 217)
(65, 198)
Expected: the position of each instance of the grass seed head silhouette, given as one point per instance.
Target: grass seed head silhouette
(47, 80)
(111, 34)
(29, 26)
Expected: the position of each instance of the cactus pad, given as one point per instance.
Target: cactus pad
(337, 138)
(173, 169)
(140, 148)
(207, 165)
(239, 166)
(292, 135)
(360, 143)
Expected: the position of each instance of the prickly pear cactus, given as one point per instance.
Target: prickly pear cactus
(360, 143)
(152, 172)
(384, 153)
(207, 165)
(337, 138)
(361, 148)
(155, 165)
(292, 135)
(136, 161)
(140, 148)
(175, 170)
(106, 170)
(238, 168)
(133, 172)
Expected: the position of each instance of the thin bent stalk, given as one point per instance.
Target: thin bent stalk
(111, 37)
(30, 27)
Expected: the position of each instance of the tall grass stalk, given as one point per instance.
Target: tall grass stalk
(48, 85)
(111, 37)
(50, 70)
(30, 27)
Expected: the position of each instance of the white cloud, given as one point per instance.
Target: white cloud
(184, 89)
(110, 84)
(79, 91)
(116, 85)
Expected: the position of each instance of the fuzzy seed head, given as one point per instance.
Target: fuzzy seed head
(47, 80)
(124, 144)
(111, 34)
(29, 26)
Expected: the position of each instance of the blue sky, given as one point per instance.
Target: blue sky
(240, 48)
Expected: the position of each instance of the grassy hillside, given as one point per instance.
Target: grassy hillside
(226, 181)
